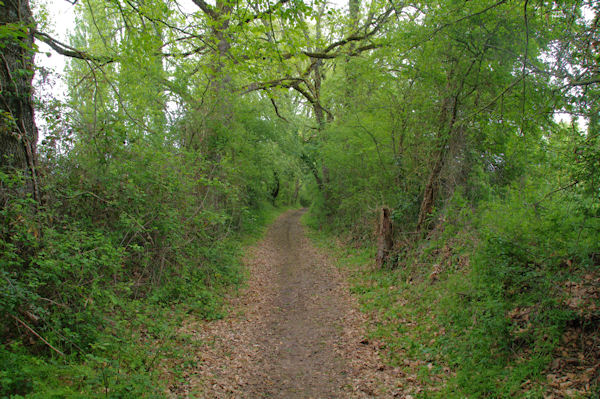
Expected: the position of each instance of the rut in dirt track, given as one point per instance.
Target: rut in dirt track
(305, 324)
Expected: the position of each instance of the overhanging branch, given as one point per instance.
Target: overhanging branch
(207, 8)
(287, 83)
(68, 51)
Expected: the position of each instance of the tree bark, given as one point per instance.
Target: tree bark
(354, 7)
(296, 191)
(18, 132)
(313, 168)
(430, 193)
(275, 189)
(447, 121)
(219, 85)
(385, 239)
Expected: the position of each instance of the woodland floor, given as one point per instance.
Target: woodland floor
(295, 331)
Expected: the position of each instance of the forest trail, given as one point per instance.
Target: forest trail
(294, 332)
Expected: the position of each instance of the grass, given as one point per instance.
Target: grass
(449, 335)
(401, 313)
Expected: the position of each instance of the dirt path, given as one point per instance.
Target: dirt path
(303, 326)
(293, 333)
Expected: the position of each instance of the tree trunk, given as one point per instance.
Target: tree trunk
(313, 168)
(275, 190)
(296, 191)
(447, 121)
(18, 132)
(221, 79)
(385, 239)
(354, 8)
(430, 190)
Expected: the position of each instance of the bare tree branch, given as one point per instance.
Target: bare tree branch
(68, 51)
(288, 83)
(284, 82)
(207, 9)
(587, 82)
(277, 110)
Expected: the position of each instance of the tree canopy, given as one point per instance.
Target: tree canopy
(187, 121)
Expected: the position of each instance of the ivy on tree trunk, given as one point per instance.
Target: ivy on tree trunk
(18, 132)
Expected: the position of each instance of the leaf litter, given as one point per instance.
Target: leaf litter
(294, 331)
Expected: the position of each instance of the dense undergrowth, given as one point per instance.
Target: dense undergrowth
(487, 304)
(493, 272)
(90, 305)
(146, 196)
(97, 276)
(181, 124)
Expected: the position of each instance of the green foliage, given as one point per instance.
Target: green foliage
(136, 229)
(157, 166)
(503, 316)
(483, 299)
(515, 203)
(511, 310)
(77, 285)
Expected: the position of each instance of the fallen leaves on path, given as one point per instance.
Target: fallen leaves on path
(240, 355)
(575, 369)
